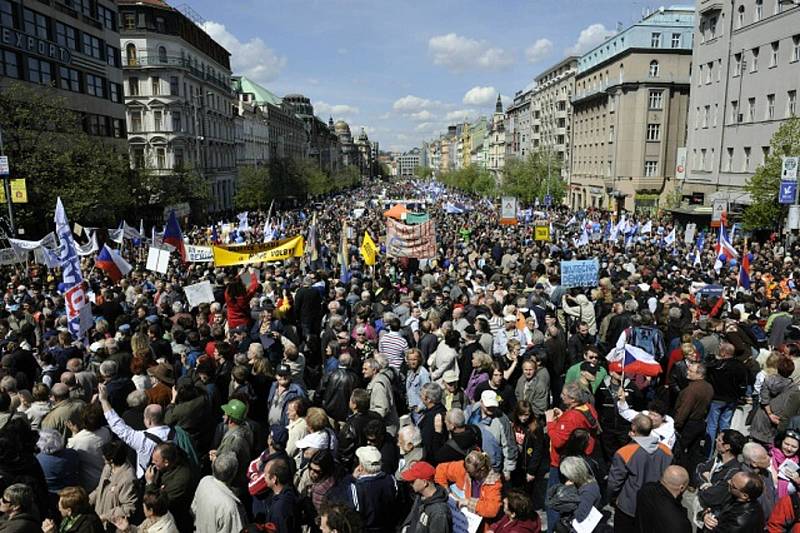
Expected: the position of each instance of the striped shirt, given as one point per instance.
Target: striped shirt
(393, 346)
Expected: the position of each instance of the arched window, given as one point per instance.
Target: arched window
(130, 53)
(740, 19)
(621, 72)
(654, 69)
(162, 55)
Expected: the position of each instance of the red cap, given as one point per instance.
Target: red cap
(419, 470)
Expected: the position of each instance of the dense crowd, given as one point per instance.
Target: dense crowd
(470, 391)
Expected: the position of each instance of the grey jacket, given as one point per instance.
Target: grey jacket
(381, 400)
(635, 464)
(536, 391)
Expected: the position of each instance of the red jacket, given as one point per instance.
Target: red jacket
(783, 516)
(238, 308)
(561, 428)
(507, 525)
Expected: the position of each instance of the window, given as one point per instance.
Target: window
(737, 64)
(136, 121)
(758, 14)
(796, 48)
(91, 46)
(709, 72)
(137, 156)
(740, 17)
(703, 153)
(716, 114)
(773, 56)
(9, 64)
(754, 61)
(700, 75)
(107, 17)
(770, 106)
(115, 92)
(133, 86)
(751, 109)
(66, 36)
(129, 20)
(735, 112)
(650, 168)
(654, 69)
(655, 40)
(39, 71)
(35, 24)
(177, 156)
(174, 86)
(162, 55)
(112, 56)
(157, 120)
(719, 70)
(130, 54)
(712, 28)
(656, 100)
(176, 121)
(706, 112)
(676, 40)
(764, 154)
(7, 14)
(746, 162)
(69, 79)
(728, 160)
(156, 83)
(95, 86)
(98, 125)
(119, 129)
(791, 103)
(85, 6)
(161, 157)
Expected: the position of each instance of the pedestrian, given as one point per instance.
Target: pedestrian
(741, 513)
(658, 504)
(430, 512)
(215, 507)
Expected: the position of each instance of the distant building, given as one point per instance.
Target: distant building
(251, 134)
(322, 145)
(497, 142)
(518, 126)
(408, 162)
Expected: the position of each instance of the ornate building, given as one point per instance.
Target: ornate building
(497, 142)
(322, 142)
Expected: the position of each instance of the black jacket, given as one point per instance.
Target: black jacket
(351, 437)
(459, 445)
(729, 378)
(738, 517)
(374, 498)
(334, 392)
(657, 511)
(284, 510)
(431, 440)
(21, 523)
(308, 308)
(429, 514)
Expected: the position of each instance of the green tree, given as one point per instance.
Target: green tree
(765, 212)
(471, 179)
(527, 179)
(252, 188)
(347, 177)
(423, 172)
(47, 146)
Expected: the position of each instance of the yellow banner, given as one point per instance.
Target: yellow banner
(19, 193)
(368, 250)
(250, 254)
(541, 233)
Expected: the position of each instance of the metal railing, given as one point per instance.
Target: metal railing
(174, 62)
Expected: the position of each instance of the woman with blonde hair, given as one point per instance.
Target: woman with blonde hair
(481, 371)
(462, 477)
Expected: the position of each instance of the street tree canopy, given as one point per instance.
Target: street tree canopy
(529, 179)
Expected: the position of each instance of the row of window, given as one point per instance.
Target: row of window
(740, 63)
(655, 40)
(704, 117)
(712, 26)
(43, 27)
(650, 168)
(704, 160)
(104, 126)
(44, 72)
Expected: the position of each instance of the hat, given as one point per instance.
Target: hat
(319, 440)
(96, 345)
(283, 370)
(787, 259)
(419, 470)
(450, 376)
(279, 434)
(124, 328)
(163, 373)
(153, 319)
(235, 409)
(369, 456)
(510, 318)
(489, 398)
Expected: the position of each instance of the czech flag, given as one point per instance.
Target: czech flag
(724, 247)
(173, 235)
(633, 360)
(744, 271)
(113, 264)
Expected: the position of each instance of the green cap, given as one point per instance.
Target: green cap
(235, 409)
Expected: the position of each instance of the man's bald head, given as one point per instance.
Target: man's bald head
(153, 415)
(675, 479)
(59, 392)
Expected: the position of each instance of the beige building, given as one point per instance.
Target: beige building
(497, 142)
(629, 113)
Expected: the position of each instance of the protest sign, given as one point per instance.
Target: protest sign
(8, 256)
(199, 254)
(508, 210)
(368, 250)
(157, 260)
(541, 232)
(199, 293)
(583, 273)
(403, 240)
(258, 253)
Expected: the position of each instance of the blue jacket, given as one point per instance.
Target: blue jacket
(294, 391)
(374, 497)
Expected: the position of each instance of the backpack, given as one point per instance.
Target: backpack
(182, 440)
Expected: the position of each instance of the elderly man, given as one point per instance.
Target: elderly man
(64, 409)
(741, 513)
(658, 504)
(431, 421)
(409, 440)
(379, 386)
(509, 331)
(116, 386)
(374, 492)
(757, 461)
(215, 506)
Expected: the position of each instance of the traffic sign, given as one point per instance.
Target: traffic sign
(4, 170)
(787, 192)
(548, 200)
(789, 172)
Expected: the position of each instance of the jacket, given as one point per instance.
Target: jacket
(499, 427)
(693, 403)
(60, 468)
(507, 525)
(194, 416)
(658, 511)
(88, 445)
(640, 462)
(738, 517)
(729, 378)
(381, 400)
(284, 510)
(216, 508)
(61, 412)
(334, 392)
(351, 437)
(490, 500)
(573, 502)
(459, 445)
(373, 496)
(85, 523)
(536, 391)
(431, 440)
(21, 523)
(116, 493)
(178, 483)
(238, 307)
(157, 524)
(294, 391)
(429, 515)
(584, 311)
(717, 494)
(570, 420)
(781, 520)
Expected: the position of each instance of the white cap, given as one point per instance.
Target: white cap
(450, 376)
(510, 318)
(489, 398)
(369, 456)
(318, 440)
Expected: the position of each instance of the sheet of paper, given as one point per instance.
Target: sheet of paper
(199, 293)
(589, 523)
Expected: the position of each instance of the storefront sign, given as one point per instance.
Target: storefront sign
(34, 45)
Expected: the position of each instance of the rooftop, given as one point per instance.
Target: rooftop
(262, 96)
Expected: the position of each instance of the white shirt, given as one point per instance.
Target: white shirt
(142, 445)
(665, 432)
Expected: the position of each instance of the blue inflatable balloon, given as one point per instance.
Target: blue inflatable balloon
(733, 263)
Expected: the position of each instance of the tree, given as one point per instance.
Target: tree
(765, 212)
(423, 172)
(530, 178)
(471, 179)
(47, 146)
(252, 188)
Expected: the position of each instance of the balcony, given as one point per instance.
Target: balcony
(172, 62)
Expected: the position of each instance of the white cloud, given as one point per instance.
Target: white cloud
(480, 96)
(385, 116)
(411, 104)
(338, 110)
(425, 126)
(422, 115)
(252, 58)
(539, 50)
(590, 37)
(460, 115)
(458, 53)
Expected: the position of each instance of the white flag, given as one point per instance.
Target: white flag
(669, 240)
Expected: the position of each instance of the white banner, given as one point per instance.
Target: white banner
(508, 208)
(48, 241)
(157, 260)
(89, 248)
(8, 256)
(199, 254)
(199, 293)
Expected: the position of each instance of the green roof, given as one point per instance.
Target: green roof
(262, 96)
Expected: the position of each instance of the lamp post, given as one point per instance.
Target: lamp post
(7, 188)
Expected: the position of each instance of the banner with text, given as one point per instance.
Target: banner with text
(582, 273)
(258, 253)
(403, 240)
(199, 254)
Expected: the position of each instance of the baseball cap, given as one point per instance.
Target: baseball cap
(489, 398)
(235, 409)
(450, 376)
(419, 470)
(283, 370)
(369, 456)
(510, 318)
(319, 440)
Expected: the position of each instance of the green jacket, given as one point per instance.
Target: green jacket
(574, 374)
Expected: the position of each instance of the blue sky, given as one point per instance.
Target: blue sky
(405, 69)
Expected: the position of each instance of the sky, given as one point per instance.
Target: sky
(406, 69)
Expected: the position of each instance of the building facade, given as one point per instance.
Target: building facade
(178, 97)
(744, 86)
(364, 148)
(551, 111)
(408, 162)
(72, 49)
(251, 134)
(629, 113)
(496, 141)
(518, 126)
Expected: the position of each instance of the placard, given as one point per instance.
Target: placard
(157, 260)
(508, 210)
(541, 233)
(403, 240)
(583, 273)
(199, 293)
(199, 254)
(689, 233)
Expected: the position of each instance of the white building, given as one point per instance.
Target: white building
(251, 134)
(551, 111)
(408, 162)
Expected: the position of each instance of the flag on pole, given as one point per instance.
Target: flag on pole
(173, 235)
(669, 240)
(724, 247)
(244, 225)
(117, 235)
(344, 255)
(701, 239)
(647, 228)
(584, 240)
(78, 313)
(112, 263)
(312, 245)
(744, 271)
(368, 250)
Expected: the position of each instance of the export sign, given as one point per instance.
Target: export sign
(34, 45)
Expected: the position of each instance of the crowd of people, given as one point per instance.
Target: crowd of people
(470, 391)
